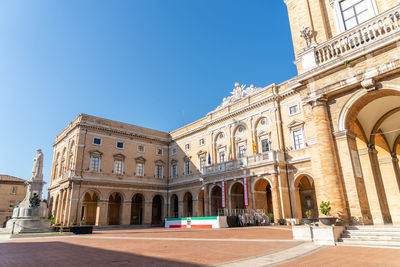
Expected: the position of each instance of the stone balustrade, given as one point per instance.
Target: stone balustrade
(241, 163)
(365, 33)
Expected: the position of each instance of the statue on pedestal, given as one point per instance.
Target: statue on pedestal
(31, 214)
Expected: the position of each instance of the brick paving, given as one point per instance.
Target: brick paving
(167, 247)
(349, 256)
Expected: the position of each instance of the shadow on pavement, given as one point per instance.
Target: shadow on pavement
(65, 254)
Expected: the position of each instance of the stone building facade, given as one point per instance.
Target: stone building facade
(332, 133)
(12, 191)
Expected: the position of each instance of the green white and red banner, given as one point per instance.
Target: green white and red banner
(245, 195)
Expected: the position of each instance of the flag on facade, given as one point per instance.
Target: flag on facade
(223, 198)
(254, 147)
(209, 158)
(245, 194)
(230, 153)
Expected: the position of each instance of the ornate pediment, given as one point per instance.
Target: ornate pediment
(295, 123)
(159, 162)
(95, 153)
(238, 93)
(140, 159)
(119, 156)
(201, 152)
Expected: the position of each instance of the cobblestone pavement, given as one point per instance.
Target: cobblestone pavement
(258, 246)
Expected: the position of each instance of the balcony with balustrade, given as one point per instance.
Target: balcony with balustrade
(243, 163)
(382, 30)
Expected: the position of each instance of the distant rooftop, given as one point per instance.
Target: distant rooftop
(9, 178)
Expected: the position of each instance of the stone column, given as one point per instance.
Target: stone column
(195, 207)
(180, 208)
(59, 208)
(284, 191)
(206, 201)
(276, 200)
(148, 212)
(67, 205)
(102, 212)
(390, 186)
(353, 180)
(328, 184)
(126, 213)
(297, 199)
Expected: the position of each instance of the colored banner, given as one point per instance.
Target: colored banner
(246, 197)
(223, 200)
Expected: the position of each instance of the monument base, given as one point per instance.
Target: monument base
(29, 220)
(28, 225)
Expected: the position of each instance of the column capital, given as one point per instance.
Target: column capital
(316, 100)
(344, 135)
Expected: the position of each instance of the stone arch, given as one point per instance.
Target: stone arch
(188, 205)
(157, 210)
(354, 104)
(215, 199)
(237, 195)
(123, 197)
(137, 209)
(115, 201)
(262, 191)
(91, 190)
(174, 206)
(305, 196)
(90, 208)
(237, 126)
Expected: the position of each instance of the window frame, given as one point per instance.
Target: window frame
(186, 167)
(121, 167)
(91, 162)
(138, 150)
(294, 113)
(120, 142)
(101, 141)
(159, 149)
(14, 192)
(338, 17)
(187, 147)
(292, 132)
(139, 171)
(202, 142)
(174, 170)
(156, 171)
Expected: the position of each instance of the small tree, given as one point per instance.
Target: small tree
(308, 214)
(325, 208)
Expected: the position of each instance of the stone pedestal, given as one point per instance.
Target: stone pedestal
(320, 235)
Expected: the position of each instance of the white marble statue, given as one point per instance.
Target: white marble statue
(38, 165)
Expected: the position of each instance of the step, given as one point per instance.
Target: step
(365, 233)
(345, 241)
(374, 228)
(389, 238)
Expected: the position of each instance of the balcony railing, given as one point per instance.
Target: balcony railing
(365, 33)
(239, 163)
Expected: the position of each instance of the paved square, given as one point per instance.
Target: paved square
(258, 246)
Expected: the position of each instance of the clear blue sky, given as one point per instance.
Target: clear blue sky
(153, 63)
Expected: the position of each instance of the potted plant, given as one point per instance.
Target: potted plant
(53, 223)
(325, 208)
(308, 219)
(271, 217)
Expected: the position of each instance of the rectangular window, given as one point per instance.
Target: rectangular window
(94, 164)
(159, 171)
(187, 146)
(187, 167)
(201, 142)
(298, 139)
(12, 204)
(96, 141)
(118, 167)
(14, 190)
(202, 164)
(221, 156)
(354, 12)
(294, 109)
(265, 147)
(174, 171)
(140, 169)
(241, 151)
(159, 151)
(120, 145)
(140, 148)
(173, 151)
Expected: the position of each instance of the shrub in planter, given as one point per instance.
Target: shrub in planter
(308, 220)
(325, 208)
